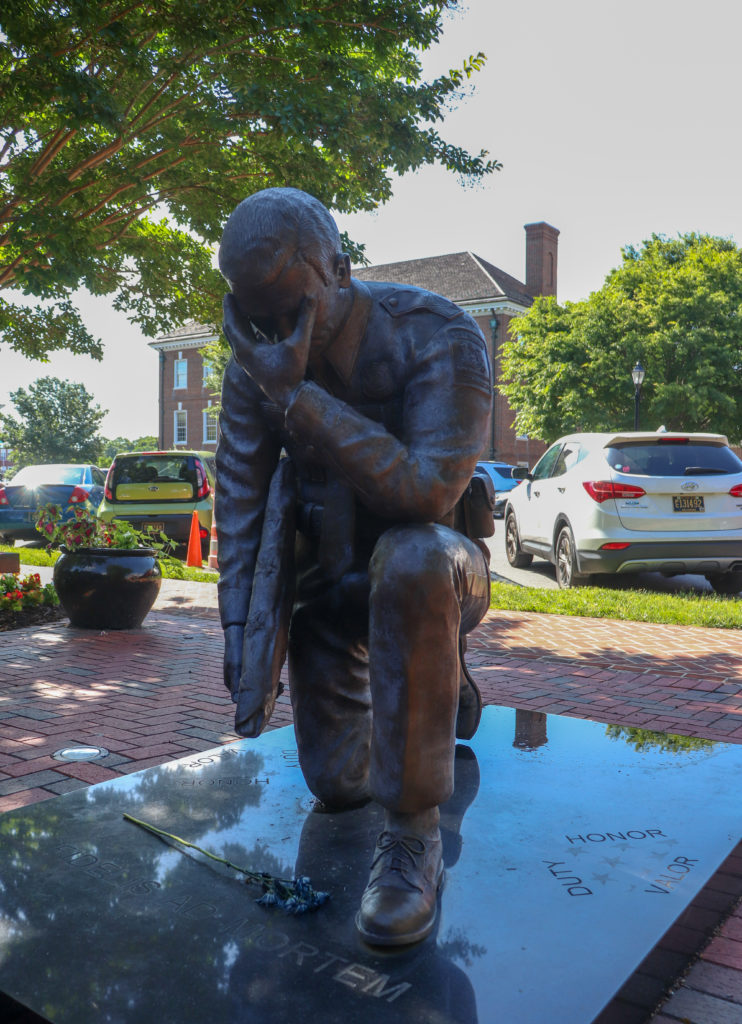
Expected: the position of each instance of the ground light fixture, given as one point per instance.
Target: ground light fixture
(80, 752)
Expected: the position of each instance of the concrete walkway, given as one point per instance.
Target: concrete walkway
(155, 694)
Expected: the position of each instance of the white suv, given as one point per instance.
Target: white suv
(631, 502)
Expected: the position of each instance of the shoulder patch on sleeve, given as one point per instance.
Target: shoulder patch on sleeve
(411, 300)
(471, 364)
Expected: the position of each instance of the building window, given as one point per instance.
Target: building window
(210, 422)
(207, 368)
(180, 431)
(180, 366)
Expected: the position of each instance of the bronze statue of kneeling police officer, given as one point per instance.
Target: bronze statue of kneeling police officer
(353, 414)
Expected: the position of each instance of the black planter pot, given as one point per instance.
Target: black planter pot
(107, 588)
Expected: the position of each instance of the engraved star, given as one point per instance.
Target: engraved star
(670, 842)
(623, 846)
(603, 879)
(659, 854)
(576, 851)
(613, 861)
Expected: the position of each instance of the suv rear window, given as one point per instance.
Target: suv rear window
(672, 457)
(155, 478)
(504, 472)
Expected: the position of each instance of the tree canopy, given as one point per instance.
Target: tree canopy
(112, 446)
(129, 131)
(57, 422)
(675, 305)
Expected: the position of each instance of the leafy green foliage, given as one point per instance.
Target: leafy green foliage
(83, 530)
(112, 446)
(673, 304)
(172, 569)
(216, 353)
(128, 132)
(57, 423)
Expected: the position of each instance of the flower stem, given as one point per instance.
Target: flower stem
(295, 896)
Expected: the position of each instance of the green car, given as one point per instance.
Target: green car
(158, 491)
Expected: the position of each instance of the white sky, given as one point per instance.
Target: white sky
(612, 120)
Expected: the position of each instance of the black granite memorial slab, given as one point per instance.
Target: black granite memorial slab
(570, 848)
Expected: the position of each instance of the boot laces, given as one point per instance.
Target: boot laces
(399, 854)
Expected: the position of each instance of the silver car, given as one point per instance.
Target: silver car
(631, 502)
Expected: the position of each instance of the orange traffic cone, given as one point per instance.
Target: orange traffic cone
(193, 558)
(213, 546)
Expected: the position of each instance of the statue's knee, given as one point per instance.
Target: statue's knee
(407, 555)
(339, 793)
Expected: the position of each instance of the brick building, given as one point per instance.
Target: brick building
(184, 399)
(487, 293)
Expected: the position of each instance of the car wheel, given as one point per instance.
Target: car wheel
(515, 554)
(566, 561)
(10, 541)
(726, 582)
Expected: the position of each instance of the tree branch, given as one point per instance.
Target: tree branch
(59, 140)
(7, 274)
(103, 202)
(97, 158)
(153, 99)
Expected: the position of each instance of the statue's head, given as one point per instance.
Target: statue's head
(278, 246)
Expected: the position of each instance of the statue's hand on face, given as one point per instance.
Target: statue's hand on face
(279, 368)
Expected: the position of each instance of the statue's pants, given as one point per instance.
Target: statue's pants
(374, 666)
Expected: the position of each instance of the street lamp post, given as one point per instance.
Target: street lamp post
(637, 375)
(493, 330)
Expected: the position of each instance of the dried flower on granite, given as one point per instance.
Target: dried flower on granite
(295, 896)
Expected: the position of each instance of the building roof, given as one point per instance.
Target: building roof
(462, 277)
(190, 335)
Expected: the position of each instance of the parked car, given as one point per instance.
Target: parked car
(158, 491)
(501, 475)
(65, 484)
(631, 502)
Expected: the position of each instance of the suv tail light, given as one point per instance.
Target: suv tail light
(202, 484)
(3, 497)
(736, 492)
(602, 490)
(109, 484)
(78, 495)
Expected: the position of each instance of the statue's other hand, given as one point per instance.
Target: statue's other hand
(279, 368)
(233, 659)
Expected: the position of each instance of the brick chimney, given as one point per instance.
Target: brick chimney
(541, 258)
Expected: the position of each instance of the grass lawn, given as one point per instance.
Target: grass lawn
(685, 609)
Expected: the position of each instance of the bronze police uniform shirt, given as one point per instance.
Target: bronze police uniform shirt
(398, 410)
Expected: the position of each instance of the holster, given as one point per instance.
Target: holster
(479, 504)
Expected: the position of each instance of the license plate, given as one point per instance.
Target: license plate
(153, 527)
(688, 503)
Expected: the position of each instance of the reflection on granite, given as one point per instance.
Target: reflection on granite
(568, 853)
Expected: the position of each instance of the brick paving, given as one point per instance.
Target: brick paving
(155, 694)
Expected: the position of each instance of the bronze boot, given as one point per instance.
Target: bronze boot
(399, 905)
